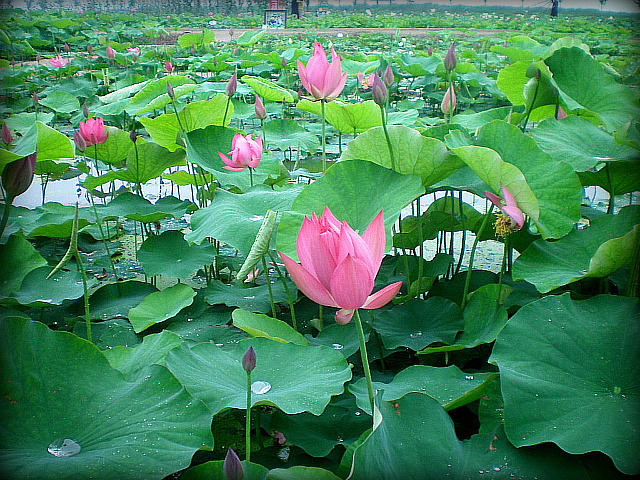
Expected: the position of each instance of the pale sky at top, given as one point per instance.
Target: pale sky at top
(611, 5)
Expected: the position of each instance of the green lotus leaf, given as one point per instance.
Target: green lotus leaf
(268, 91)
(198, 39)
(18, 259)
(300, 472)
(140, 209)
(39, 291)
(254, 299)
(160, 306)
(258, 325)
(152, 90)
(115, 150)
(346, 117)
(286, 132)
(617, 178)
(61, 102)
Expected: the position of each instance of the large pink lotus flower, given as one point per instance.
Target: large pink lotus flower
(508, 206)
(133, 49)
(94, 131)
(245, 152)
(322, 80)
(338, 267)
(58, 62)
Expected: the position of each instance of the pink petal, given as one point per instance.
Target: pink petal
(331, 219)
(233, 169)
(302, 73)
(306, 282)
(314, 252)
(375, 237)
(338, 88)
(224, 158)
(509, 199)
(343, 316)
(515, 214)
(496, 200)
(382, 296)
(350, 243)
(351, 283)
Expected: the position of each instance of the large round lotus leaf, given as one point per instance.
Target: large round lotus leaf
(115, 300)
(254, 299)
(300, 472)
(150, 91)
(48, 142)
(267, 90)
(418, 323)
(346, 117)
(569, 372)
(602, 248)
(580, 143)
(354, 191)
(38, 290)
(52, 220)
(59, 388)
(258, 325)
(170, 255)
(213, 471)
(18, 259)
(140, 209)
(343, 338)
(61, 102)
(160, 306)
(555, 184)
(450, 386)
(147, 161)
(341, 423)
(236, 218)
(293, 378)
(286, 132)
(413, 153)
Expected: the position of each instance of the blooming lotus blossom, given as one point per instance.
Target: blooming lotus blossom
(168, 67)
(322, 80)
(338, 267)
(245, 152)
(448, 104)
(514, 217)
(94, 131)
(365, 83)
(133, 49)
(58, 62)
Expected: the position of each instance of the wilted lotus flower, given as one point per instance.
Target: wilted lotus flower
(6, 135)
(231, 467)
(379, 90)
(261, 112)
(93, 131)
(448, 104)
(322, 80)
(512, 218)
(249, 360)
(78, 139)
(111, 53)
(168, 67)
(365, 83)
(338, 267)
(450, 60)
(58, 61)
(232, 85)
(133, 49)
(18, 175)
(245, 152)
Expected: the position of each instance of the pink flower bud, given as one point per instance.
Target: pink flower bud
(38, 57)
(111, 53)
(232, 85)
(231, 467)
(90, 49)
(170, 91)
(6, 135)
(249, 360)
(94, 131)
(450, 60)
(323, 80)
(448, 104)
(18, 175)
(231, 32)
(261, 112)
(284, 63)
(388, 77)
(168, 67)
(560, 113)
(379, 91)
(78, 139)
(85, 110)
(67, 49)
(34, 99)
(134, 58)
(132, 134)
(430, 51)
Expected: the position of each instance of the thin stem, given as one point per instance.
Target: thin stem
(467, 280)
(5, 215)
(378, 342)
(502, 268)
(365, 358)
(421, 249)
(247, 428)
(251, 176)
(86, 292)
(286, 289)
(324, 139)
(611, 191)
(464, 232)
(266, 273)
(386, 136)
(226, 109)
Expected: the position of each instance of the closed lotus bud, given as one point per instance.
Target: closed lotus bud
(6, 134)
(450, 60)
(379, 91)
(132, 133)
(79, 140)
(85, 110)
(34, 99)
(560, 113)
(111, 53)
(448, 104)
(232, 85)
(18, 175)
(134, 57)
(67, 49)
(300, 36)
(90, 49)
(430, 51)
(215, 62)
(168, 67)
(231, 467)
(284, 63)
(388, 78)
(261, 112)
(231, 32)
(170, 91)
(249, 360)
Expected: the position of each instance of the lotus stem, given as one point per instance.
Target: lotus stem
(383, 114)
(5, 215)
(324, 138)
(473, 252)
(247, 428)
(364, 357)
(287, 291)
(266, 274)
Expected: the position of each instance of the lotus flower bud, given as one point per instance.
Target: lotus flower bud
(232, 85)
(261, 112)
(170, 91)
(284, 63)
(560, 113)
(235, 51)
(231, 32)
(79, 140)
(134, 58)
(85, 110)
(38, 57)
(450, 60)
(249, 360)
(168, 67)
(67, 49)
(430, 51)
(6, 135)
(132, 133)
(34, 99)
(111, 53)
(379, 91)
(215, 62)
(448, 104)
(300, 36)
(388, 76)
(90, 49)
(18, 175)
(231, 467)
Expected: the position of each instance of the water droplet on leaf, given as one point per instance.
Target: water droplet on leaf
(260, 387)
(63, 447)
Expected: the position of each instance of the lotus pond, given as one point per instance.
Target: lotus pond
(369, 256)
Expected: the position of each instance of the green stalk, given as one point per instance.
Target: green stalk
(467, 280)
(365, 358)
(464, 232)
(376, 335)
(86, 291)
(505, 253)
(226, 109)
(251, 176)
(324, 138)
(247, 428)
(386, 136)
(266, 273)
(5, 215)
(104, 241)
(286, 289)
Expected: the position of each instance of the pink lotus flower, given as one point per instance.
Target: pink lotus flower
(93, 131)
(245, 152)
(338, 267)
(508, 206)
(448, 104)
(133, 49)
(111, 53)
(365, 83)
(322, 80)
(168, 67)
(58, 62)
